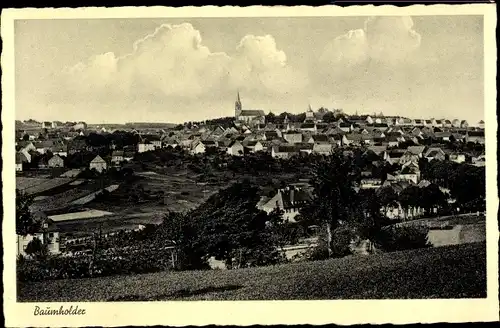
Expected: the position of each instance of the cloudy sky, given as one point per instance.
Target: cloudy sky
(175, 70)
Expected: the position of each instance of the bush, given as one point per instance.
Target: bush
(37, 249)
(402, 238)
(124, 261)
(341, 241)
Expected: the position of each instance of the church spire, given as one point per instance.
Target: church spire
(237, 105)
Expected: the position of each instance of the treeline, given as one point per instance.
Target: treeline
(467, 183)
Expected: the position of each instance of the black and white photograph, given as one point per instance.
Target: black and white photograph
(248, 157)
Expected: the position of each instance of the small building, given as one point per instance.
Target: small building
(46, 125)
(475, 136)
(457, 158)
(56, 161)
(322, 149)
(145, 146)
(318, 138)
(409, 173)
(370, 183)
(254, 146)
(290, 200)
(293, 137)
(117, 157)
(200, 147)
(235, 148)
(98, 164)
(48, 235)
(284, 151)
(308, 126)
(435, 153)
(20, 160)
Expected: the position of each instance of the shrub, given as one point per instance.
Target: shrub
(37, 249)
(341, 241)
(123, 261)
(402, 238)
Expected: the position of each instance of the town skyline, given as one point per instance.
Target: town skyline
(126, 70)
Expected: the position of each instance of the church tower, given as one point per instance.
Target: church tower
(237, 106)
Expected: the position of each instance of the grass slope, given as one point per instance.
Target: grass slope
(444, 272)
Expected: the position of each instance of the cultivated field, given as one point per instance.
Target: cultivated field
(180, 193)
(39, 185)
(443, 272)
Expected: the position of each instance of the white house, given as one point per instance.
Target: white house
(235, 149)
(290, 200)
(145, 146)
(48, 235)
(284, 151)
(98, 164)
(56, 161)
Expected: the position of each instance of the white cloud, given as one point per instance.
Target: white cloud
(387, 39)
(172, 62)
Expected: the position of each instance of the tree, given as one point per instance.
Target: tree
(26, 223)
(271, 117)
(37, 249)
(410, 199)
(334, 195)
(432, 196)
(232, 229)
(178, 229)
(387, 198)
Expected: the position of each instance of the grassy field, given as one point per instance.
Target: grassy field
(444, 272)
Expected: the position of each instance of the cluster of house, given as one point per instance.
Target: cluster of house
(250, 133)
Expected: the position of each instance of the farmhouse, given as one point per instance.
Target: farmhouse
(56, 161)
(200, 147)
(254, 146)
(145, 146)
(289, 200)
(48, 235)
(293, 137)
(284, 151)
(117, 157)
(98, 164)
(235, 149)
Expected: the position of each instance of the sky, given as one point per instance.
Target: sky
(177, 70)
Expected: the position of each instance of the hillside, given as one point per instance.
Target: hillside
(443, 272)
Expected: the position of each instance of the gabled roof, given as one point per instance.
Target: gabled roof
(322, 147)
(235, 143)
(416, 150)
(252, 112)
(320, 138)
(285, 149)
(307, 126)
(476, 133)
(377, 149)
(98, 159)
(293, 197)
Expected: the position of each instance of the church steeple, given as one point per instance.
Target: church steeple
(237, 106)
